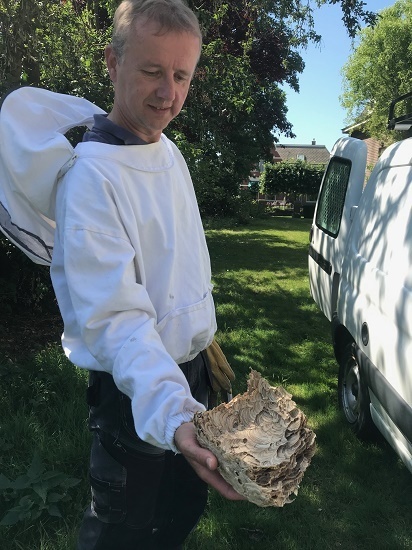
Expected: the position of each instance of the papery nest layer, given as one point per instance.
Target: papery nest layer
(261, 440)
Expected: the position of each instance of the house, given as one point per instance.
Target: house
(313, 154)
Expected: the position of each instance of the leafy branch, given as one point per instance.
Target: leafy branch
(35, 492)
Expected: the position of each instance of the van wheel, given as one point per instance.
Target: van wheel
(353, 395)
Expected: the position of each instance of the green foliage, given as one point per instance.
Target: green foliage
(43, 414)
(353, 11)
(235, 102)
(254, 187)
(19, 63)
(73, 60)
(56, 45)
(23, 284)
(230, 113)
(35, 492)
(292, 178)
(379, 70)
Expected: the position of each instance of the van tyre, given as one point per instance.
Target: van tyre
(353, 395)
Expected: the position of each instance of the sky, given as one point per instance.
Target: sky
(316, 112)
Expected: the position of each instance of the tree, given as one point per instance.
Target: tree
(18, 40)
(236, 108)
(379, 70)
(56, 45)
(292, 178)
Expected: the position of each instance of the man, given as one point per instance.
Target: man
(131, 273)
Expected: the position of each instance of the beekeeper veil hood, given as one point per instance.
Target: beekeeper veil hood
(34, 152)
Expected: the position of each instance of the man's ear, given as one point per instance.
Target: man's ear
(111, 62)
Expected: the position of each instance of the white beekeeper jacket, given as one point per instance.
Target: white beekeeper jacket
(131, 272)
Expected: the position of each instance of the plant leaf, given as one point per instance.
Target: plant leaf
(41, 490)
(54, 497)
(70, 482)
(36, 467)
(11, 518)
(5, 483)
(21, 482)
(54, 511)
(25, 503)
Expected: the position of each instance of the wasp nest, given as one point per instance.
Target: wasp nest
(261, 441)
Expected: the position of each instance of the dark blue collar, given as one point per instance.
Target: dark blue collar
(106, 131)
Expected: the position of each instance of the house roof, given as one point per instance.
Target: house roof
(314, 154)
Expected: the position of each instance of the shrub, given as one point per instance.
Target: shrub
(23, 284)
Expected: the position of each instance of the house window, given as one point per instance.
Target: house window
(301, 157)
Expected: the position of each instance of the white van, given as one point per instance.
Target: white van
(360, 269)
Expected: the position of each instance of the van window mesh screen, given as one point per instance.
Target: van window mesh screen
(332, 197)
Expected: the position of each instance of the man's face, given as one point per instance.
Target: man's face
(152, 79)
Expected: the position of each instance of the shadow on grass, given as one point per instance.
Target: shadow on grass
(354, 495)
(262, 293)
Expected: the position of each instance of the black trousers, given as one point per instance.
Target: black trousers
(143, 498)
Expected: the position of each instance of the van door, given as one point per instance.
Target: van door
(339, 195)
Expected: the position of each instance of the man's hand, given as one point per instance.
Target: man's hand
(202, 461)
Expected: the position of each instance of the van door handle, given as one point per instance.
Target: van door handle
(352, 212)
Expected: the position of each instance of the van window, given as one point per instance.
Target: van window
(332, 196)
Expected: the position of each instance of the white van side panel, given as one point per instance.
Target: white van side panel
(376, 280)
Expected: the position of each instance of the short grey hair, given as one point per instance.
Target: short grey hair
(171, 15)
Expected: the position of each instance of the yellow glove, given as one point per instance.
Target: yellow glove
(221, 372)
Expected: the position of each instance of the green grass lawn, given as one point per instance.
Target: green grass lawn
(354, 496)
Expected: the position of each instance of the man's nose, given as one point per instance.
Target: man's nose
(166, 89)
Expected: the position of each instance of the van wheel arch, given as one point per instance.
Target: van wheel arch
(353, 394)
(341, 338)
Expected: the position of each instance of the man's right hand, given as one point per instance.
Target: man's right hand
(202, 461)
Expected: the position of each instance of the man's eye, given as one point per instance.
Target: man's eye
(151, 73)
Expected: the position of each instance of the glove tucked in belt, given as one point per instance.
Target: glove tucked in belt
(222, 374)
